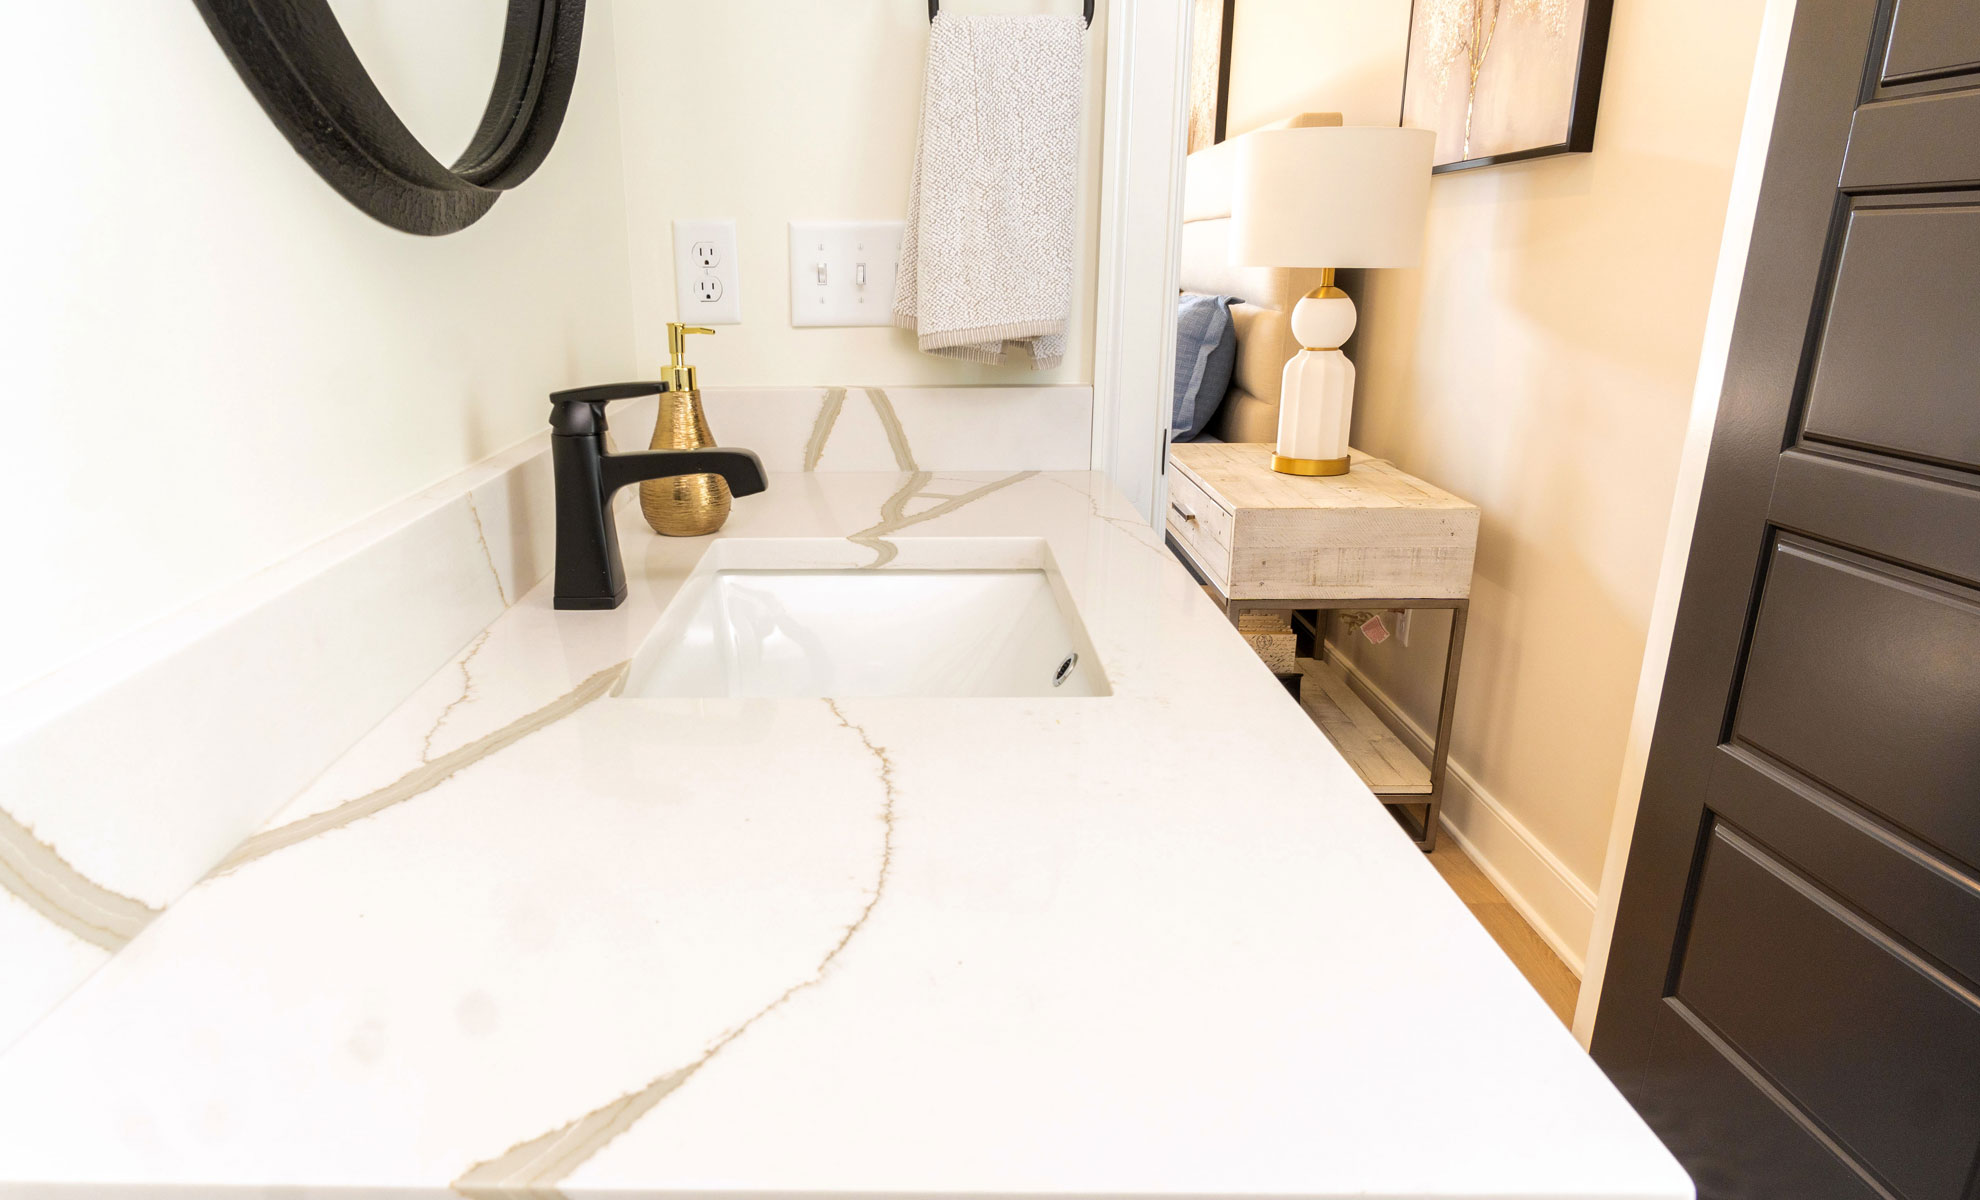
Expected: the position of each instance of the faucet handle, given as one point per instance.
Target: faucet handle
(577, 412)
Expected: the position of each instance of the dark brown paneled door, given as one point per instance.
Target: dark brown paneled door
(1793, 997)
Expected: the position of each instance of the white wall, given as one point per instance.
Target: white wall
(210, 359)
(1292, 56)
(1540, 364)
(768, 113)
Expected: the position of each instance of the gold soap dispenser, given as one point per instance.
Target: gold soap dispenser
(685, 505)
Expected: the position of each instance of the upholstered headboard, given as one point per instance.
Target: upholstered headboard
(1251, 410)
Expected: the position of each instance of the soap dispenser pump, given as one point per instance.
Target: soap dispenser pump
(686, 505)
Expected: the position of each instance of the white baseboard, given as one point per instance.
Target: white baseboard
(1559, 906)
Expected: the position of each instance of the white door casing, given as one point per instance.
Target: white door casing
(1142, 157)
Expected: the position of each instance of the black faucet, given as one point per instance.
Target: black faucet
(589, 573)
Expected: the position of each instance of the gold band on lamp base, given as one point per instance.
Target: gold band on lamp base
(1309, 466)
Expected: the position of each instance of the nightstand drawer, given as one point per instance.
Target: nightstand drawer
(1202, 525)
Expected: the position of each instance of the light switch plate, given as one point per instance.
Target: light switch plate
(707, 273)
(828, 259)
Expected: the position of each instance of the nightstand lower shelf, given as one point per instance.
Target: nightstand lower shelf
(1384, 761)
(1412, 791)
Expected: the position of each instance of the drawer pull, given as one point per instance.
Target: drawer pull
(1181, 511)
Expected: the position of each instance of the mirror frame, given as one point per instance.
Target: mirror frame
(295, 59)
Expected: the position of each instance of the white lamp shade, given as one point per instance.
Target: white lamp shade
(1352, 196)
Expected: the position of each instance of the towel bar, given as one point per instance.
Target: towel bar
(934, 5)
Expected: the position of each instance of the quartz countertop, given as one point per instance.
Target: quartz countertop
(533, 938)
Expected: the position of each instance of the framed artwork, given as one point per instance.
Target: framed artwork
(1504, 80)
(1210, 71)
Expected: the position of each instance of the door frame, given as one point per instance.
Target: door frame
(1749, 164)
(1142, 159)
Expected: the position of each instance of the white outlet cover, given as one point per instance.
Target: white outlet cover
(840, 249)
(707, 273)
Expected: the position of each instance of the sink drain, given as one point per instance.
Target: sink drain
(1065, 669)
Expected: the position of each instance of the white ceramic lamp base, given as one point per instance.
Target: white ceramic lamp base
(1316, 396)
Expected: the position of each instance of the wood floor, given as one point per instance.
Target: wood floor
(1534, 958)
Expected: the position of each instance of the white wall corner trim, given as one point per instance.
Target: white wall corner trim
(1748, 168)
(1141, 181)
(1555, 901)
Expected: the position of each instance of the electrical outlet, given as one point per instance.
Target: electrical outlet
(707, 282)
(842, 272)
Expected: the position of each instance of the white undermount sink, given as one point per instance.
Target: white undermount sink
(808, 617)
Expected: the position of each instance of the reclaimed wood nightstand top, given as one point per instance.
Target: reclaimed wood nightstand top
(1240, 476)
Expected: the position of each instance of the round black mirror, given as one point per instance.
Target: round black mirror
(296, 60)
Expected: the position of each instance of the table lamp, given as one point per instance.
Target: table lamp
(1346, 196)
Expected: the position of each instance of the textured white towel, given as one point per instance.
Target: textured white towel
(987, 260)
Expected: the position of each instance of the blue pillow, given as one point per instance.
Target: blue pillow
(1206, 353)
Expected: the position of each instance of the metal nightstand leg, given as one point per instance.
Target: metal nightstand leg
(1440, 750)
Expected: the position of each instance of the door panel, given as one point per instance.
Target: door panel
(1740, 1138)
(1915, 519)
(1864, 677)
(1928, 902)
(1912, 140)
(1791, 993)
(1934, 37)
(1901, 347)
(1882, 1049)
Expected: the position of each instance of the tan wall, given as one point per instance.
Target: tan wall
(1541, 365)
(1343, 56)
(769, 113)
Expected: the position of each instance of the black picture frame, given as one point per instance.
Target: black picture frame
(295, 60)
(1198, 137)
(1591, 56)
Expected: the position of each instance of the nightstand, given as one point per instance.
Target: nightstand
(1375, 538)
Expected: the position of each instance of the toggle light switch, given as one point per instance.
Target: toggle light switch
(842, 272)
